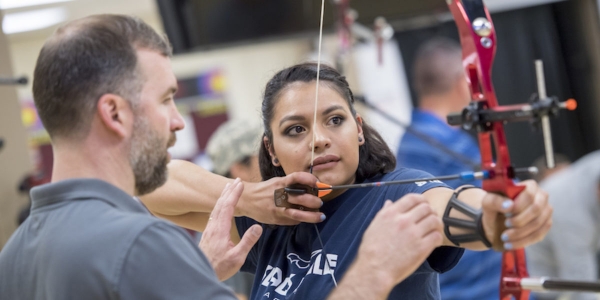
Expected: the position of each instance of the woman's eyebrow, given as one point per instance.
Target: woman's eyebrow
(301, 118)
(291, 118)
(332, 108)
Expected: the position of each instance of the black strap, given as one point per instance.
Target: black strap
(473, 224)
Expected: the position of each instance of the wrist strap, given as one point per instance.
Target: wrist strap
(473, 224)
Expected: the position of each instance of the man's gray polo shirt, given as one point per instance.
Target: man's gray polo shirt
(87, 239)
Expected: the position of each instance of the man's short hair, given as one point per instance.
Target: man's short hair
(84, 60)
(437, 66)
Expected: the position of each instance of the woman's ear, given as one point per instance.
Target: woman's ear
(267, 145)
(361, 135)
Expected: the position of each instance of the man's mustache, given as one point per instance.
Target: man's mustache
(172, 140)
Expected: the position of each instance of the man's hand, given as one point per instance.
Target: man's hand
(398, 240)
(226, 257)
(512, 225)
(258, 202)
(401, 236)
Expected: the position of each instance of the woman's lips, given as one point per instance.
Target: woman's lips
(325, 166)
(325, 162)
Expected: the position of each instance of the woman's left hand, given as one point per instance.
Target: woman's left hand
(516, 224)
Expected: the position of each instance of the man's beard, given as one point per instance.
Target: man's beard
(148, 157)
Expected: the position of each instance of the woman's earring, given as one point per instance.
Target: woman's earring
(360, 139)
(275, 161)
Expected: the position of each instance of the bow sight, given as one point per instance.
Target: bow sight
(480, 117)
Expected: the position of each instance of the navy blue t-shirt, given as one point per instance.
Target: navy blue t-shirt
(289, 261)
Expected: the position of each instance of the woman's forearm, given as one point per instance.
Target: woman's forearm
(189, 188)
(192, 189)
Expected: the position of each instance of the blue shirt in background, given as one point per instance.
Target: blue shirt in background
(477, 275)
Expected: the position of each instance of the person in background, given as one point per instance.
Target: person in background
(233, 150)
(442, 88)
(561, 162)
(570, 249)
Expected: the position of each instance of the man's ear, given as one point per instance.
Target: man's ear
(267, 145)
(115, 114)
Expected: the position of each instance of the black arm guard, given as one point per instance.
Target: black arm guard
(473, 224)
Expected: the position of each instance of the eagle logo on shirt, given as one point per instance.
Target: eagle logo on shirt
(299, 262)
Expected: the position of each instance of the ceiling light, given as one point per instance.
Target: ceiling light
(33, 20)
(10, 4)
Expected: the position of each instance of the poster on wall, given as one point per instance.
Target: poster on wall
(201, 100)
(40, 149)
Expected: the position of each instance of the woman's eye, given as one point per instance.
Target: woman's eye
(294, 130)
(336, 120)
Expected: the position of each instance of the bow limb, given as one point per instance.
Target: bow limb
(478, 42)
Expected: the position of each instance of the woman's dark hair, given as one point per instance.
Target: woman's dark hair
(375, 157)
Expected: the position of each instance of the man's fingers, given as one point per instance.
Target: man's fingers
(230, 200)
(420, 211)
(221, 201)
(432, 240)
(387, 203)
(248, 241)
(407, 202)
(225, 206)
(430, 223)
(225, 189)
